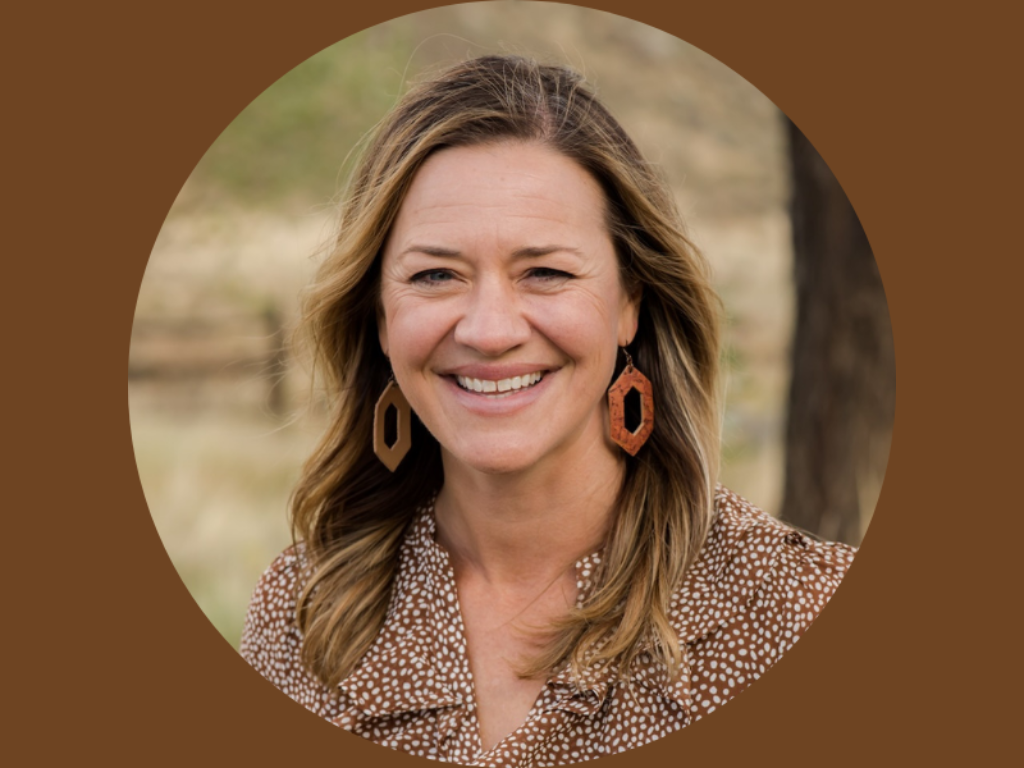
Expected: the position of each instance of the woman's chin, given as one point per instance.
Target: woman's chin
(492, 460)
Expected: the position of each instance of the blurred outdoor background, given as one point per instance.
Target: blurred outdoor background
(222, 412)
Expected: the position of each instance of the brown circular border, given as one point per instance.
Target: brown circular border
(113, 105)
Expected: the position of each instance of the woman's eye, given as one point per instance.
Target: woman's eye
(545, 273)
(432, 276)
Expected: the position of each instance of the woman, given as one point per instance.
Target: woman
(532, 565)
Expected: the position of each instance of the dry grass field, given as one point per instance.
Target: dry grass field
(221, 411)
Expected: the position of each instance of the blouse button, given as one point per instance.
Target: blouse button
(795, 538)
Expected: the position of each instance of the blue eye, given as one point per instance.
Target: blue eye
(544, 273)
(432, 276)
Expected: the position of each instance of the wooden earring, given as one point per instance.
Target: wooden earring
(391, 455)
(630, 379)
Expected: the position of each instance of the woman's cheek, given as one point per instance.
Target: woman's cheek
(575, 323)
(415, 332)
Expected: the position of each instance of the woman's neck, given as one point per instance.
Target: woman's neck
(523, 529)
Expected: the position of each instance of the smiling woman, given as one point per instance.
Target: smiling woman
(524, 575)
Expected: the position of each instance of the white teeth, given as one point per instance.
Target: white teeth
(502, 385)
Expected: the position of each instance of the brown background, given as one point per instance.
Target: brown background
(107, 109)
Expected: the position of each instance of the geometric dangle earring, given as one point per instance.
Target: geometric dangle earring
(391, 455)
(631, 379)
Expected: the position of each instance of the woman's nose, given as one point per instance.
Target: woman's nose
(493, 321)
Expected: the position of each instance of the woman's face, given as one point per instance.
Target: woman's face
(502, 305)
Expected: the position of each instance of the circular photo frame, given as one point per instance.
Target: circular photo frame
(225, 412)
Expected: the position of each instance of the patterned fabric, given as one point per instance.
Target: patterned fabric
(755, 589)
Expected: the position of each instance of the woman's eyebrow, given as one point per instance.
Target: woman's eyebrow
(543, 250)
(431, 250)
(532, 251)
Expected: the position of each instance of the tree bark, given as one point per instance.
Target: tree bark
(842, 392)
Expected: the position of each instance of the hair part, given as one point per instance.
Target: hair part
(351, 513)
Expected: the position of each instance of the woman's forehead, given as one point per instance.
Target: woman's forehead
(515, 186)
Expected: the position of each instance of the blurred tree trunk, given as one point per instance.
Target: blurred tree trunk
(842, 394)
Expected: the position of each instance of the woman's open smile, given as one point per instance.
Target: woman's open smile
(502, 387)
(504, 396)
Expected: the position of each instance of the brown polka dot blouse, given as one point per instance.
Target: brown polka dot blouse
(755, 589)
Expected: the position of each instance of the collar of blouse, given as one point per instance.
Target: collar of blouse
(424, 637)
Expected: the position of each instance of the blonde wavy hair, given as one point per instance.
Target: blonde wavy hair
(351, 513)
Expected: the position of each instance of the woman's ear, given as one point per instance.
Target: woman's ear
(382, 332)
(629, 316)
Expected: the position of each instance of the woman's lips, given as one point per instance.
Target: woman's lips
(498, 401)
(499, 387)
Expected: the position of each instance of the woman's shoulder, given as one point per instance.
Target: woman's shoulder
(745, 524)
(753, 563)
(271, 640)
(750, 596)
(274, 598)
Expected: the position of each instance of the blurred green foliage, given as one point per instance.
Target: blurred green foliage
(292, 139)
